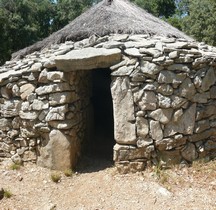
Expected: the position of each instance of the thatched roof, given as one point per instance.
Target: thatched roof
(120, 16)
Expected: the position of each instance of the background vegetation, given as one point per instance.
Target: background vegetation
(23, 22)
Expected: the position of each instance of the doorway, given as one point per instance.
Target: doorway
(102, 141)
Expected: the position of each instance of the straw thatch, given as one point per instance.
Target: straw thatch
(119, 16)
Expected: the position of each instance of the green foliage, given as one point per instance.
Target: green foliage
(200, 23)
(15, 166)
(7, 194)
(159, 8)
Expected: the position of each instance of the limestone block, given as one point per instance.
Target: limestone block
(206, 111)
(155, 130)
(56, 113)
(10, 108)
(179, 67)
(36, 67)
(164, 101)
(28, 115)
(125, 153)
(123, 106)
(150, 68)
(208, 80)
(170, 157)
(171, 77)
(151, 51)
(189, 152)
(50, 63)
(5, 124)
(88, 58)
(60, 153)
(203, 135)
(62, 98)
(39, 105)
(148, 101)
(123, 71)
(46, 89)
(202, 126)
(43, 76)
(171, 143)
(201, 98)
(142, 127)
(6, 93)
(55, 75)
(177, 115)
(161, 115)
(133, 52)
(165, 89)
(185, 125)
(144, 142)
(213, 92)
(26, 90)
(210, 145)
(177, 102)
(187, 89)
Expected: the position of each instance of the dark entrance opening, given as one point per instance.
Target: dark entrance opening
(102, 141)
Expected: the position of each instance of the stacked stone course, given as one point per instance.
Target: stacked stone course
(164, 99)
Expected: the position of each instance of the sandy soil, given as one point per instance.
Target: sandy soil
(97, 185)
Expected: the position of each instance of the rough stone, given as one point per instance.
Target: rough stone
(179, 67)
(52, 155)
(161, 115)
(26, 90)
(187, 89)
(39, 105)
(213, 92)
(208, 80)
(155, 130)
(202, 126)
(56, 113)
(88, 58)
(150, 68)
(185, 125)
(164, 101)
(142, 127)
(171, 143)
(56, 75)
(148, 101)
(165, 89)
(189, 152)
(144, 142)
(123, 106)
(62, 98)
(5, 124)
(10, 108)
(170, 77)
(123, 71)
(133, 52)
(52, 88)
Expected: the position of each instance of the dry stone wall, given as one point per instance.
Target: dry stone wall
(43, 110)
(164, 100)
(164, 103)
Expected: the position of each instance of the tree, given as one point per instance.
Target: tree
(22, 23)
(200, 21)
(67, 10)
(159, 8)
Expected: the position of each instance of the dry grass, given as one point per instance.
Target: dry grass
(103, 19)
(200, 173)
(55, 177)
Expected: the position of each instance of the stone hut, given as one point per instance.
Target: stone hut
(56, 102)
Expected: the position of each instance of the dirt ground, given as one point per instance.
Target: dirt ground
(99, 186)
